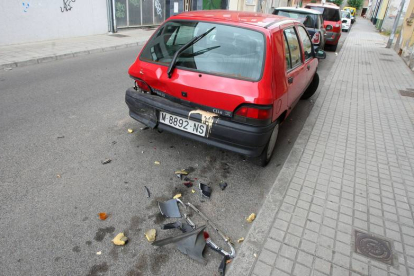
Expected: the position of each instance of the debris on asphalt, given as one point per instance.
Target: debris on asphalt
(106, 161)
(188, 184)
(251, 218)
(223, 185)
(8, 69)
(157, 163)
(336, 54)
(228, 261)
(191, 244)
(120, 239)
(169, 208)
(103, 216)
(255, 255)
(192, 190)
(240, 240)
(177, 196)
(151, 235)
(187, 179)
(148, 191)
(58, 176)
(61, 137)
(130, 130)
(113, 142)
(99, 253)
(180, 173)
(144, 128)
(205, 190)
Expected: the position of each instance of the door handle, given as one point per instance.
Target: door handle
(290, 80)
(308, 67)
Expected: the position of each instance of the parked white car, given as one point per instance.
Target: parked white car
(346, 20)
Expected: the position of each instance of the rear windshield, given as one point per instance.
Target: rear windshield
(345, 14)
(327, 13)
(309, 20)
(227, 51)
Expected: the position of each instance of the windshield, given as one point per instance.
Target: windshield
(327, 13)
(226, 50)
(346, 14)
(309, 20)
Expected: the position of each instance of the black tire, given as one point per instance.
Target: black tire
(267, 153)
(313, 86)
(333, 47)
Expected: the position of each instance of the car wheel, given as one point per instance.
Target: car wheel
(311, 88)
(270, 147)
(333, 47)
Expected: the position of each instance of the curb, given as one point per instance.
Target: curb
(244, 263)
(68, 55)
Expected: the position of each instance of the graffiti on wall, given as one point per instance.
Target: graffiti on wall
(25, 6)
(157, 5)
(66, 5)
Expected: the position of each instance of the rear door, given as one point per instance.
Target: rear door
(295, 68)
(307, 49)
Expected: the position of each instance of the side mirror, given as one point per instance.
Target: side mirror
(320, 54)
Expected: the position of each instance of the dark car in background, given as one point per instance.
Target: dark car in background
(312, 20)
(331, 21)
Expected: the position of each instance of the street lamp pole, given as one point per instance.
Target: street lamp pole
(394, 28)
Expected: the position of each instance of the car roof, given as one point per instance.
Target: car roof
(245, 18)
(299, 10)
(326, 5)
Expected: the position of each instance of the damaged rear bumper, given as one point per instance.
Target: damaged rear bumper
(225, 134)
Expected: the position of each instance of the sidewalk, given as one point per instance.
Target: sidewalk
(350, 169)
(38, 52)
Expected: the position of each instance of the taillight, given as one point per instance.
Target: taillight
(329, 27)
(142, 85)
(316, 38)
(254, 114)
(337, 25)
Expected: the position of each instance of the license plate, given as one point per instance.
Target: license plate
(183, 124)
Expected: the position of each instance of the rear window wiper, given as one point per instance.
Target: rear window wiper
(183, 48)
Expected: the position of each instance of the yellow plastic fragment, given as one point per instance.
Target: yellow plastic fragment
(157, 162)
(177, 196)
(240, 240)
(151, 235)
(120, 239)
(192, 190)
(130, 130)
(183, 172)
(251, 217)
(99, 253)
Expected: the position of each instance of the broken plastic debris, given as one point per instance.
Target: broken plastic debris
(188, 184)
(169, 208)
(130, 130)
(192, 190)
(255, 255)
(60, 137)
(99, 253)
(228, 261)
(177, 196)
(151, 235)
(183, 172)
(240, 240)
(148, 191)
(144, 128)
(106, 161)
(103, 216)
(157, 163)
(58, 176)
(223, 185)
(120, 239)
(336, 54)
(8, 69)
(251, 217)
(205, 190)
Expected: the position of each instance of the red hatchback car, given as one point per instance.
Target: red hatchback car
(224, 78)
(332, 21)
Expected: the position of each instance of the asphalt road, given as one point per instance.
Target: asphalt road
(58, 121)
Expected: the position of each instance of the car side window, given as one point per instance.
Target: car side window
(294, 47)
(307, 45)
(287, 54)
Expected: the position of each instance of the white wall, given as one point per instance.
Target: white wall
(44, 19)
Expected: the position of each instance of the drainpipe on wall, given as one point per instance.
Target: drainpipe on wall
(397, 20)
(111, 26)
(113, 15)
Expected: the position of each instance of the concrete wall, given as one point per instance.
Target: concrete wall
(405, 44)
(391, 14)
(37, 20)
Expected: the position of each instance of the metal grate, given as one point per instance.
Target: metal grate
(373, 247)
(407, 93)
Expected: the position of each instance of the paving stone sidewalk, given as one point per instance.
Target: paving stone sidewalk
(350, 169)
(38, 52)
